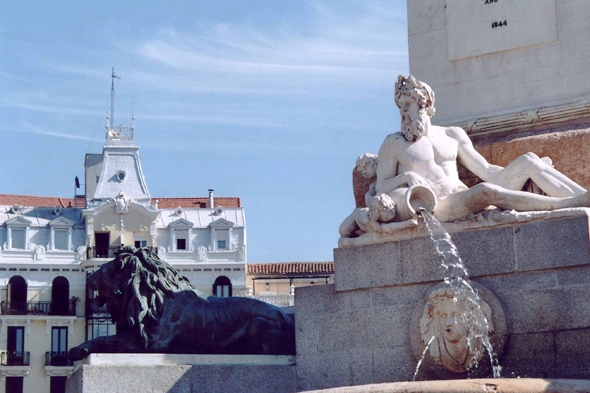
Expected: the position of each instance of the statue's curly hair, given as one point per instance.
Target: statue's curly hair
(141, 287)
(419, 91)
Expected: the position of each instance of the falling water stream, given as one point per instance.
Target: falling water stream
(456, 277)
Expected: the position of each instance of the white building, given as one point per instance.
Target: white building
(48, 246)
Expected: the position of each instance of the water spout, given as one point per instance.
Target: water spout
(457, 277)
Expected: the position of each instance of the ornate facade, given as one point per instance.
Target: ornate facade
(48, 245)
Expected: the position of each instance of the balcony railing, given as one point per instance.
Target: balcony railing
(277, 300)
(107, 252)
(38, 308)
(14, 358)
(57, 359)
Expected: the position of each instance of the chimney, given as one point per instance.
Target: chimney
(211, 200)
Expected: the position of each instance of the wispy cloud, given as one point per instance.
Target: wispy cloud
(240, 57)
(34, 129)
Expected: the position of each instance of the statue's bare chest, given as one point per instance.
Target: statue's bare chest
(429, 150)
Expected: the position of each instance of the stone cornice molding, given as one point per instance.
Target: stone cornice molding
(221, 223)
(181, 224)
(18, 222)
(61, 222)
(138, 207)
(526, 118)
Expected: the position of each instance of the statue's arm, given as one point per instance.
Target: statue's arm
(406, 179)
(392, 227)
(471, 157)
(370, 194)
(387, 166)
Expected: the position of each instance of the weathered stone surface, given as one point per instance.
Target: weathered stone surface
(419, 261)
(549, 310)
(579, 275)
(509, 283)
(528, 355)
(393, 364)
(397, 295)
(360, 186)
(554, 243)
(323, 370)
(572, 358)
(566, 148)
(180, 379)
(366, 266)
(389, 327)
(485, 252)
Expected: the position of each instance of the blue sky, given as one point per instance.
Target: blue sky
(270, 101)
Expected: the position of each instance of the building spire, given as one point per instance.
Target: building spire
(112, 114)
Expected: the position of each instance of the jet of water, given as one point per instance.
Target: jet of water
(457, 277)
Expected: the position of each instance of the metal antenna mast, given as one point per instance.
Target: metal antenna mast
(113, 76)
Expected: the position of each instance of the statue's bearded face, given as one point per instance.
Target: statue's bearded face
(413, 118)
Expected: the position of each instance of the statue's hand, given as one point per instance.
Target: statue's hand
(413, 179)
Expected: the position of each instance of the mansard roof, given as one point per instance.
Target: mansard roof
(290, 268)
(163, 203)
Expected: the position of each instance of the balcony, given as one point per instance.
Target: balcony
(38, 308)
(107, 252)
(57, 359)
(277, 300)
(14, 358)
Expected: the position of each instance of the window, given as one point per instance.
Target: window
(14, 384)
(140, 240)
(17, 295)
(18, 238)
(222, 236)
(181, 239)
(16, 346)
(222, 287)
(58, 385)
(59, 346)
(102, 241)
(61, 239)
(101, 327)
(60, 296)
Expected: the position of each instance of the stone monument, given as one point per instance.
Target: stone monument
(512, 74)
(527, 254)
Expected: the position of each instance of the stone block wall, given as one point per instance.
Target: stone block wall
(358, 331)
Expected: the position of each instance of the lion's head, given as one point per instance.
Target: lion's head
(134, 286)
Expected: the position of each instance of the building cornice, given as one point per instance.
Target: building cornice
(524, 118)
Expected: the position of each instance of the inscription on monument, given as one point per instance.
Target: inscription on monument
(475, 28)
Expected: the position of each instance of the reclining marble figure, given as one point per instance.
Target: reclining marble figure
(425, 154)
(157, 310)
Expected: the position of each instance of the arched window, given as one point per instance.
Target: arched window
(60, 296)
(17, 295)
(222, 287)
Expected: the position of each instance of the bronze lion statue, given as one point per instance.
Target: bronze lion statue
(156, 310)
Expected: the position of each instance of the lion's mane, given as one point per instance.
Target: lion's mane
(141, 284)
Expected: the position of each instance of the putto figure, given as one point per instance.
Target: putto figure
(157, 310)
(448, 322)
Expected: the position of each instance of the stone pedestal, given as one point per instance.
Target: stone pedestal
(112, 373)
(359, 330)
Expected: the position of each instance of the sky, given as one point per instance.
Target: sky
(270, 101)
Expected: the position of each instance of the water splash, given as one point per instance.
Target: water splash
(457, 277)
(424, 354)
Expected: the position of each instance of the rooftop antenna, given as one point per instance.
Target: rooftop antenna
(133, 116)
(112, 116)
